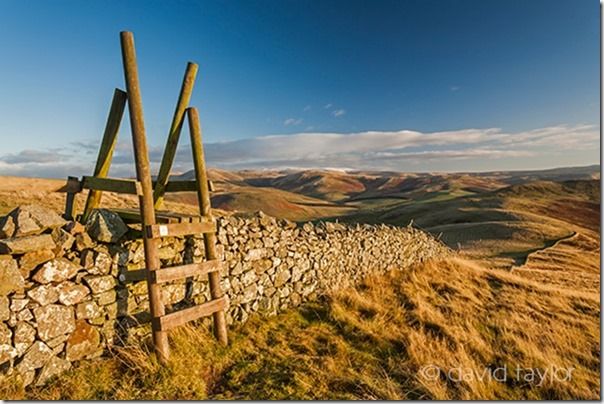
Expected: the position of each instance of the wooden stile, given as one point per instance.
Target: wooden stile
(157, 224)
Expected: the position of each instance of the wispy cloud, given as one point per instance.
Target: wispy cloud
(327, 106)
(392, 150)
(455, 88)
(339, 112)
(292, 121)
(306, 108)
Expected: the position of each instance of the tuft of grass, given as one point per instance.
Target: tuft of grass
(370, 342)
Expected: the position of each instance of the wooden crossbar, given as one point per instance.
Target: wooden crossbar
(169, 274)
(184, 271)
(134, 216)
(179, 229)
(178, 318)
(183, 186)
(112, 185)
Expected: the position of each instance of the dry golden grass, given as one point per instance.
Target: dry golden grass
(372, 342)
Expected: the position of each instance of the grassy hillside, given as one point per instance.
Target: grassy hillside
(405, 335)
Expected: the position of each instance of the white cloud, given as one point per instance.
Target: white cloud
(292, 121)
(455, 88)
(390, 150)
(338, 112)
(306, 108)
(327, 106)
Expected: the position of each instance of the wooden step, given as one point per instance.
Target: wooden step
(134, 216)
(178, 318)
(173, 273)
(179, 229)
(184, 271)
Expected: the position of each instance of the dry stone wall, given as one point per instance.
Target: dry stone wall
(66, 291)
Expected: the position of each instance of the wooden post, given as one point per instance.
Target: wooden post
(177, 120)
(103, 161)
(73, 187)
(203, 196)
(143, 174)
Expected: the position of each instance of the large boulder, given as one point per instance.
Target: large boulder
(28, 220)
(54, 320)
(106, 226)
(11, 279)
(22, 245)
(56, 270)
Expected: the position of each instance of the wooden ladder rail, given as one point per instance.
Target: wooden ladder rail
(209, 238)
(143, 175)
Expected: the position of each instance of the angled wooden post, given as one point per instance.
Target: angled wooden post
(177, 120)
(143, 174)
(103, 162)
(203, 196)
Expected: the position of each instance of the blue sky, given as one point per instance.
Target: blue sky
(448, 85)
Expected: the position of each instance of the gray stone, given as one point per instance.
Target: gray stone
(106, 226)
(109, 297)
(62, 239)
(5, 334)
(22, 245)
(25, 335)
(17, 304)
(248, 278)
(262, 265)
(54, 367)
(281, 277)
(35, 357)
(4, 309)
(82, 342)
(87, 310)
(57, 341)
(25, 315)
(99, 284)
(71, 293)
(102, 264)
(29, 219)
(54, 320)
(11, 279)
(83, 241)
(44, 294)
(56, 270)
(255, 254)
(249, 293)
(28, 262)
